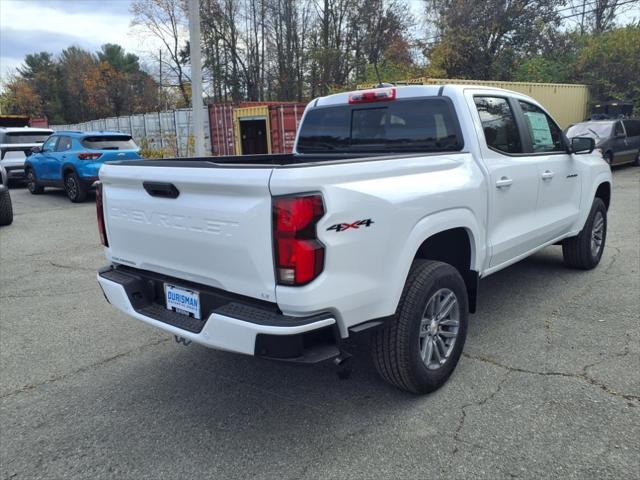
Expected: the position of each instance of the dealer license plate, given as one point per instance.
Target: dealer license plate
(181, 300)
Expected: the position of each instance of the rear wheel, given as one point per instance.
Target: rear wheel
(584, 251)
(637, 162)
(76, 191)
(420, 346)
(6, 209)
(32, 183)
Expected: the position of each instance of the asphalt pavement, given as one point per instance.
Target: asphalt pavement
(548, 387)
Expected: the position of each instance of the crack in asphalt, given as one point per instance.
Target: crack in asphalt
(64, 376)
(71, 267)
(30, 294)
(583, 375)
(479, 403)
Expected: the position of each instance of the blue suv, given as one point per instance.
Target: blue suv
(71, 160)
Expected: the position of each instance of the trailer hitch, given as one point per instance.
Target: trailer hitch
(182, 340)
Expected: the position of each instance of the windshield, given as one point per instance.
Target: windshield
(590, 130)
(424, 125)
(109, 142)
(26, 137)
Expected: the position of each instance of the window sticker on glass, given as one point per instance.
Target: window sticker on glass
(540, 131)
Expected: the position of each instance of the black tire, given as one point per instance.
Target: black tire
(6, 209)
(637, 160)
(608, 157)
(577, 251)
(76, 190)
(32, 183)
(396, 347)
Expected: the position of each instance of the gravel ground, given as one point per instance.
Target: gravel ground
(549, 384)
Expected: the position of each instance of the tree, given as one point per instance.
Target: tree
(20, 98)
(484, 40)
(166, 20)
(610, 62)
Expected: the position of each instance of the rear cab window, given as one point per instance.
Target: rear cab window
(422, 125)
(109, 142)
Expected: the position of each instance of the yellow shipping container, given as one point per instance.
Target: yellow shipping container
(567, 103)
(251, 123)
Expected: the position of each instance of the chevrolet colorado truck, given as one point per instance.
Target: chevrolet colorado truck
(394, 204)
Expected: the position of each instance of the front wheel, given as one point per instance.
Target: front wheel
(584, 251)
(32, 183)
(418, 349)
(76, 191)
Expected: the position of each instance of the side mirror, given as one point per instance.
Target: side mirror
(36, 149)
(582, 145)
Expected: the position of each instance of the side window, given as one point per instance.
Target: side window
(499, 124)
(618, 130)
(50, 144)
(546, 136)
(632, 127)
(64, 144)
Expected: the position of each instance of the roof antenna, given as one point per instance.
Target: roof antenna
(380, 84)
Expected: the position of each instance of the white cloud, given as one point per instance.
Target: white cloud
(75, 20)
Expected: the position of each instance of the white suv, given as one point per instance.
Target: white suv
(16, 144)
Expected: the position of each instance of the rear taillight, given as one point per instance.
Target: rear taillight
(100, 214)
(299, 255)
(89, 156)
(375, 95)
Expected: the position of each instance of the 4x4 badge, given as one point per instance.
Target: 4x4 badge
(340, 227)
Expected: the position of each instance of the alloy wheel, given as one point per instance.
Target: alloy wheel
(439, 328)
(597, 234)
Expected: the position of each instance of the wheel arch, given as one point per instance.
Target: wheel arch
(451, 236)
(68, 168)
(603, 191)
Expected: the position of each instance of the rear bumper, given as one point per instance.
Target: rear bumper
(229, 322)
(15, 171)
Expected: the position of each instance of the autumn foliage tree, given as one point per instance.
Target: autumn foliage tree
(78, 85)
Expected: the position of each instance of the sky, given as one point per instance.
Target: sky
(28, 26)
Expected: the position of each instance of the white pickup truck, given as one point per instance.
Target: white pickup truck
(394, 204)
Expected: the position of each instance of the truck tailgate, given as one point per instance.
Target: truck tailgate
(217, 231)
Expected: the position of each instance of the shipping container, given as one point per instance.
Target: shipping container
(266, 128)
(221, 126)
(567, 103)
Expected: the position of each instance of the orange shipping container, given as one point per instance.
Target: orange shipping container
(284, 122)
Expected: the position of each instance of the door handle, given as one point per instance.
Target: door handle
(161, 189)
(504, 182)
(547, 175)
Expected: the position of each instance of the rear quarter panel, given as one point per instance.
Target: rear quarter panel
(408, 199)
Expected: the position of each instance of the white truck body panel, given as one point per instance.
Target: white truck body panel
(215, 233)
(218, 232)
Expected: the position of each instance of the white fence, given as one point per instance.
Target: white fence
(170, 131)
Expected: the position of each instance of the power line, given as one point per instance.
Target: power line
(595, 10)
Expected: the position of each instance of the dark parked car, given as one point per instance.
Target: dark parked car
(618, 140)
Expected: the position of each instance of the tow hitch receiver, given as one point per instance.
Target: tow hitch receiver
(182, 340)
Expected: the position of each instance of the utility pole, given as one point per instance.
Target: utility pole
(196, 76)
(160, 89)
